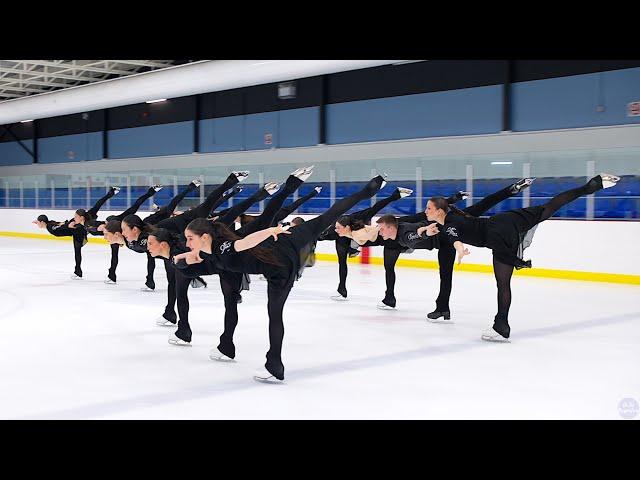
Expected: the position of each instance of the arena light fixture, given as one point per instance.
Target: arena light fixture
(26, 121)
(156, 101)
(501, 163)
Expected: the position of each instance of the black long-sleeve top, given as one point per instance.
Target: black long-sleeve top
(501, 237)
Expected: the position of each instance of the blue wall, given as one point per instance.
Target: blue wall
(11, 153)
(222, 134)
(167, 139)
(297, 127)
(458, 112)
(85, 146)
(571, 102)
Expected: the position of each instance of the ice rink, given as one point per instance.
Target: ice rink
(86, 350)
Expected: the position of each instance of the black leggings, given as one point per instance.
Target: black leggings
(284, 212)
(230, 282)
(94, 210)
(179, 224)
(280, 284)
(446, 252)
(224, 198)
(503, 271)
(280, 281)
(167, 210)
(111, 274)
(343, 244)
(78, 242)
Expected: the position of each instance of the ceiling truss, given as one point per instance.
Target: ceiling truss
(22, 78)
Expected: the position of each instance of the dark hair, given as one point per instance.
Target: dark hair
(113, 226)
(443, 204)
(245, 219)
(111, 217)
(200, 226)
(164, 235)
(347, 221)
(297, 221)
(43, 218)
(83, 213)
(388, 220)
(440, 203)
(136, 221)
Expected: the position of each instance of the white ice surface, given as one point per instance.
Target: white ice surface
(85, 350)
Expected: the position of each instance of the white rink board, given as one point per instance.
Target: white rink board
(588, 246)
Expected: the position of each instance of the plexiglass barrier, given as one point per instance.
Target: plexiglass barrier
(427, 176)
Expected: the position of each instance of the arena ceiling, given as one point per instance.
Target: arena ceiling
(22, 78)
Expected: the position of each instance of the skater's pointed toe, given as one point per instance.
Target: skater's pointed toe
(271, 187)
(608, 180)
(241, 175)
(404, 192)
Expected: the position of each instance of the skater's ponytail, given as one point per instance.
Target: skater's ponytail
(443, 204)
(136, 221)
(217, 230)
(164, 235)
(353, 224)
(83, 213)
(246, 219)
(113, 226)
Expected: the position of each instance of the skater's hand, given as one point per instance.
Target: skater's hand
(71, 224)
(275, 231)
(189, 257)
(462, 253)
(101, 227)
(431, 229)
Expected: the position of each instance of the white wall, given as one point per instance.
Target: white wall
(588, 246)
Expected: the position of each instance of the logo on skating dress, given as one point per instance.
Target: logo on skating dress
(224, 247)
(628, 408)
(451, 231)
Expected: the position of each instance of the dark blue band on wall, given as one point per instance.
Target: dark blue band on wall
(413, 78)
(261, 99)
(23, 131)
(73, 124)
(174, 110)
(527, 70)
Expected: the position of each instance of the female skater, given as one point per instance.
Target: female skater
(356, 226)
(97, 228)
(230, 282)
(132, 231)
(76, 228)
(279, 259)
(395, 244)
(506, 234)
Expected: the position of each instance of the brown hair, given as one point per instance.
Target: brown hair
(113, 226)
(164, 235)
(246, 219)
(83, 213)
(443, 204)
(347, 221)
(136, 221)
(388, 220)
(200, 226)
